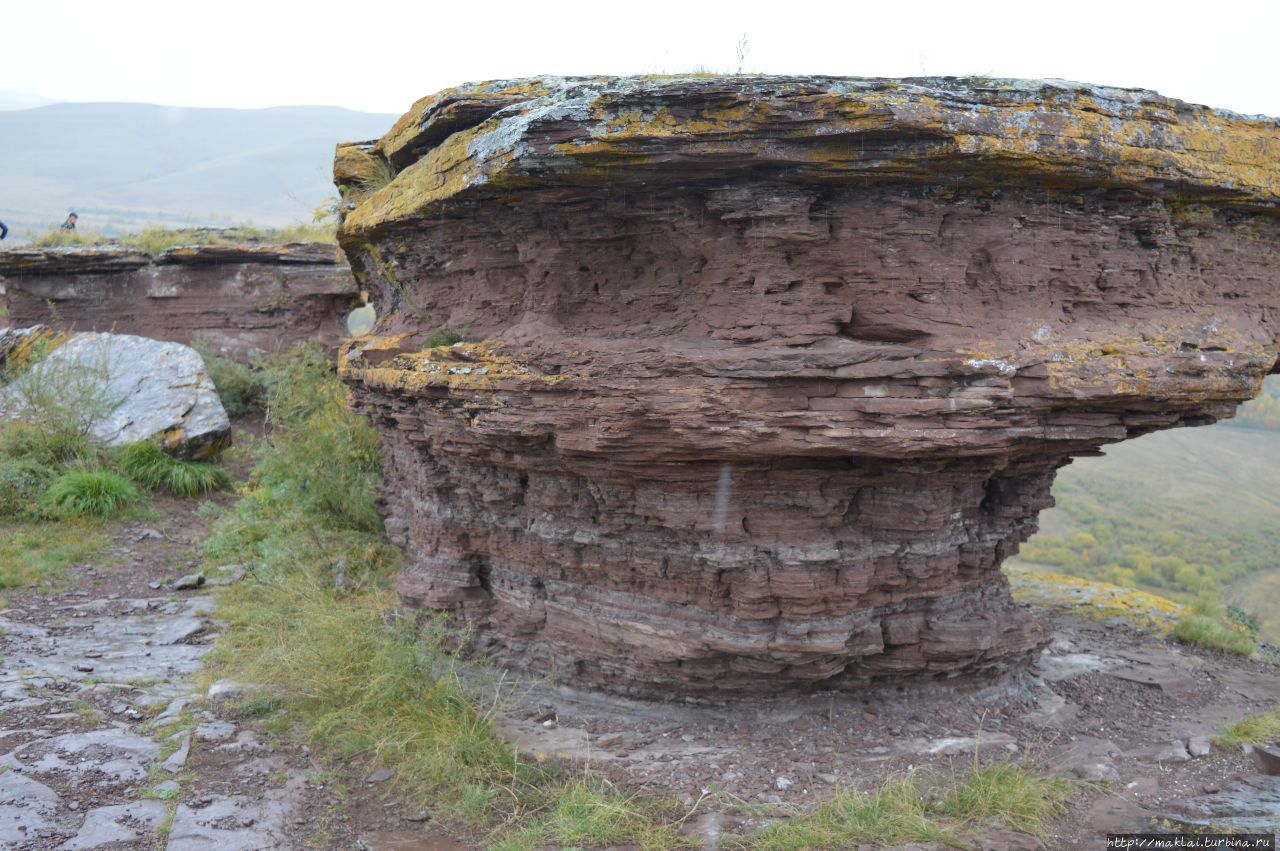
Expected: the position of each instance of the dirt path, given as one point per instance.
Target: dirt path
(105, 742)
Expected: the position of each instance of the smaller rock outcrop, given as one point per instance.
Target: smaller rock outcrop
(239, 297)
(127, 388)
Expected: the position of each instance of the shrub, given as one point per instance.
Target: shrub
(443, 337)
(239, 385)
(62, 399)
(1208, 623)
(150, 466)
(87, 492)
(22, 481)
(323, 454)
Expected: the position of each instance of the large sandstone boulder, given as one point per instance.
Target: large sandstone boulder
(127, 388)
(765, 377)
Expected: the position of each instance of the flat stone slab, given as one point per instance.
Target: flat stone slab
(120, 823)
(121, 649)
(1249, 805)
(237, 823)
(26, 807)
(103, 757)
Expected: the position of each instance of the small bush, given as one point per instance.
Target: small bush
(62, 399)
(150, 466)
(22, 481)
(323, 455)
(443, 337)
(52, 445)
(85, 492)
(240, 387)
(1208, 623)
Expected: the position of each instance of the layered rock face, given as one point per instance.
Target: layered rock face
(240, 298)
(764, 377)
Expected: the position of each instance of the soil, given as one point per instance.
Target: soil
(97, 688)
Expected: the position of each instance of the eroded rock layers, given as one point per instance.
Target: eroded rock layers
(764, 377)
(238, 298)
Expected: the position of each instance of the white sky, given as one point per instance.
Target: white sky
(381, 56)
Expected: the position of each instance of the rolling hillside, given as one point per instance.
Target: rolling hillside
(1178, 513)
(122, 166)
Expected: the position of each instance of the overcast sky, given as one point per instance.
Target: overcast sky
(381, 56)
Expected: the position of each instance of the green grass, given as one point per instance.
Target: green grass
(33, 554)
(443, 337)
(59, 238)
(1258, 729)
(918, 808)
(150, 466)
(1209, 624)
(240, 387)
(88, 492)
(1010, 796)
(895, 814)
(155, 240)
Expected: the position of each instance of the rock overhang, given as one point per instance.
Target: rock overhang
(485, 140)
(764, 377)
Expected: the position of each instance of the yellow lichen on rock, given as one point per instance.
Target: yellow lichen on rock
(498, 136)
(1096, 600)
(461, 366)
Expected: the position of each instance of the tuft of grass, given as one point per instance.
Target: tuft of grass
(31, 555)
(302, 232)
(1010, 796)
(911, 808)
(59, 238)
(895, 814)
(590, 811)
(1260, 729)
(376, 174)
(1209, 624)
(443, 337)
(153, 468)
(89, 492)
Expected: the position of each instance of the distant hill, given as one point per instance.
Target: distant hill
(122, 166)
(1178, 513)
(23, 100)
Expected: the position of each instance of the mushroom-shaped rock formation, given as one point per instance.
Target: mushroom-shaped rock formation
(763, 377)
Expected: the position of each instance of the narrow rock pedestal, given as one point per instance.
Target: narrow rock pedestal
(764, 377)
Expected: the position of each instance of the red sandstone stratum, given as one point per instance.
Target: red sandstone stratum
(765, 376)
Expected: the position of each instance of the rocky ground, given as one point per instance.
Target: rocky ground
(107, 741)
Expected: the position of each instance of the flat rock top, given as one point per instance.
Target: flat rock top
(484, 140)
(110, 257)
